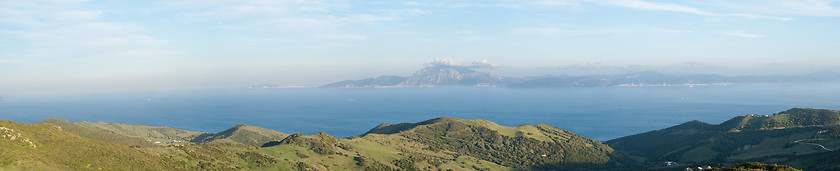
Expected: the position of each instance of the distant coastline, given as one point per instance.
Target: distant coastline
(439, 74)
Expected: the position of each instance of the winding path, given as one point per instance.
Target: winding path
(820, 145)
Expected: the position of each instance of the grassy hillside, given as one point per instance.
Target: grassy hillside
(48, 147)
(436, 144)
(528, 146)
(90, 133)
(796, 117)
(791, 134)
(218, 156)
(158, 135)
(442, 144)
(245, 134)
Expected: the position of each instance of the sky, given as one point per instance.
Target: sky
(57, 46)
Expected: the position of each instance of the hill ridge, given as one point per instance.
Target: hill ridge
(94, 134)
(749, 136)
(242, 133)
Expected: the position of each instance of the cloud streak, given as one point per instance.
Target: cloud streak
(537, 30)
(825, 8)
(739, 33)
(653, 6)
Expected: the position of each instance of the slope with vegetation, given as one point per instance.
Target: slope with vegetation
(244, 134)
(437, 144)
(779, 138)
(96, 134)
(160, 135)
(802, 138)
(527, 146)
(48, 147)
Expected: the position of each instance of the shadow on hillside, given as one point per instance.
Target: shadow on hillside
(618, 161)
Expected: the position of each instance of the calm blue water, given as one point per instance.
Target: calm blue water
(598, 113)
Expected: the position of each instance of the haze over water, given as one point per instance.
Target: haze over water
(598, 113)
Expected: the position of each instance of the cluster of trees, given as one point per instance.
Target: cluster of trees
(756, 166)
(320, 143)
(670, 145)
(517, 152)
(219, 156)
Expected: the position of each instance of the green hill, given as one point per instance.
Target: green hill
(155, 134)
(48, 147)
(90, 133)
(796, 117)
(527, 146)
(442, 144)
(244, 134)
(790, 134)
(435, 144)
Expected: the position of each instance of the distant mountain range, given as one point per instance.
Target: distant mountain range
(799, 137)
(450, 76)
(434, 76)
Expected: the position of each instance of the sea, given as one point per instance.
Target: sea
(602, 113)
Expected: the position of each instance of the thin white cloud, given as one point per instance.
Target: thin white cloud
(391, 33)
(293, 19)
(808, 7)
(557, 2)
(367, 18)
(740, 33)
(105, 27)
(264, 40)
(346, 37)
(484, 63)
(412, 3)
(665, 30)
(639, 4)
(653, 6)
(477, 38)
(478, 5)
(77, 15)
(410, 11)
(537, 30)
(757, 16)
(68, 31)
(829, 8)
(300, 25)
(427, 39)
(331, 45)
(136, 40)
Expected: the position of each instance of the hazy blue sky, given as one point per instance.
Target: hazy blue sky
(78, 45)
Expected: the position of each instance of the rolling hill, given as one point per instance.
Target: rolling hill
(49, 147)
(799, 137)
(446, 143)
(89, 133)
(441, 143)
(244, 134)
(785, 136)
(522, 147)
(155, 134)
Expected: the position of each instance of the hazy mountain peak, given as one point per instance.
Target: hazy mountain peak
(442, 72)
